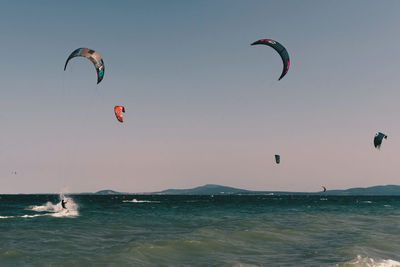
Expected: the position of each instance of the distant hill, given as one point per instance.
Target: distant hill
(108, 192)
(213, 189)
(382, 190)
(208, 189)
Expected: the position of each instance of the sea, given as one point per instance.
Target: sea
(219, 230)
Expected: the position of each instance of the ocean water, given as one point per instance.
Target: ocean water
(143, 230)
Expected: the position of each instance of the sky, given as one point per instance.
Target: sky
(202, 105)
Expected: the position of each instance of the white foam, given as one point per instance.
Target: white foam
(140, 201)
(6, 217)
(370, 262)
(31, 216)
(24, 216)
(46, 207)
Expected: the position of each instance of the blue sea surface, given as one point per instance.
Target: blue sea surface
(230, 230)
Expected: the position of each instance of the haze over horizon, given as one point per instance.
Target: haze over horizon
(202, 105)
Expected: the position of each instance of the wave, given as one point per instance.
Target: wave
(27, 216)
(370, 262)
(140, 201)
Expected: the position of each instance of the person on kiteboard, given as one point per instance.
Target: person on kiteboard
(63, 204)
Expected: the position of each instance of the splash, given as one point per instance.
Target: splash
(50, 209)
(54, 210)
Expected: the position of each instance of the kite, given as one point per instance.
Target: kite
(118, 112)
(277, 159)
(378, 139)
(280, 49)
(92, 56)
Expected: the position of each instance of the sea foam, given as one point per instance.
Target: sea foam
(370, 262)
(140, 201)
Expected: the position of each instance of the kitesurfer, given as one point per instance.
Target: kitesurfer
(63, 204)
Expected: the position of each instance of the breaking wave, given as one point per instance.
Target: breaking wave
(369, 262)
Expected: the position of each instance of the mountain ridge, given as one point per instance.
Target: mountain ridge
(213, 189)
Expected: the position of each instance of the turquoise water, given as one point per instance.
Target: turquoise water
(199, 230)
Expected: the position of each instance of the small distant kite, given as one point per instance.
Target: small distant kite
(280, 49)
(378, 139)
(118, 110)
(324, 188)
(92, 56)
(277, 159)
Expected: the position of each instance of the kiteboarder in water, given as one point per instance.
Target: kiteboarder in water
(63, 204)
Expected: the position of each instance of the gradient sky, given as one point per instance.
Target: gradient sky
(202, 105)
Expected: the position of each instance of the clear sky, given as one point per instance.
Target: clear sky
(202, 105)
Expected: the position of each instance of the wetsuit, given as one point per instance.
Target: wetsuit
(63, 204)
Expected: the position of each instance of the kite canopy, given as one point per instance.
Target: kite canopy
(280, 49)
(378, 139)
(92, 56)
(277, 159)
(118, 112)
